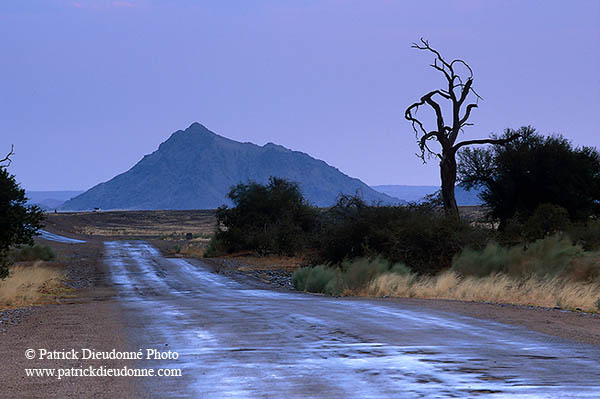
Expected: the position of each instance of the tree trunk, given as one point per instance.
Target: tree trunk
(448, 176)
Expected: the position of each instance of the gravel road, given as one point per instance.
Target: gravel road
(235, 340)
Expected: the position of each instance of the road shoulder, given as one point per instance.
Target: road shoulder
(92, 319)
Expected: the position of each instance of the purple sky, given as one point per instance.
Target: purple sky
(89, 87)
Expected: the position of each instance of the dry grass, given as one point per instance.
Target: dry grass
(498, 288)
(190, 249)
(30, 284)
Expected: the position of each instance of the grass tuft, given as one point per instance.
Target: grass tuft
(350, 277)
(27, 284)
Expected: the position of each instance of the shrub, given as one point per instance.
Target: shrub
(359, 272)
(546, 220)
(272, 218)
(417, 235)
(554, 256)
(492, 259)
(320, 278)
(550, 256)
(32, 253)
(351, 277)
(586, 234)
(216, 247)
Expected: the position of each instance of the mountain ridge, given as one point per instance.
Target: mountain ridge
(195, 168)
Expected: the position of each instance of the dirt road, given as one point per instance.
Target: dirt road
(237, 340)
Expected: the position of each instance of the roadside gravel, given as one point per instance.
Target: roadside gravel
(11, 317)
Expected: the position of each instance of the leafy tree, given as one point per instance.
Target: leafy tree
(519, 176)
(18, 222)
(272, 218)
(456, 93)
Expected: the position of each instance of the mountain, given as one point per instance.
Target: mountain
(417, 193)
(195, 168)
(50, 200)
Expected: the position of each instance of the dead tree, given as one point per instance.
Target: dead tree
(7, 158)
(458, 90)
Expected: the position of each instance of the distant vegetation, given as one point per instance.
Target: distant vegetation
(419, 193)
(541, 252)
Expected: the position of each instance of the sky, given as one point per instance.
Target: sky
(88, 87)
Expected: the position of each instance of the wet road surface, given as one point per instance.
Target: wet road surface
(46, 235)
(237, 341)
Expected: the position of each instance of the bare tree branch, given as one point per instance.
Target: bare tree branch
(7, 157)
(414, 121)
(426, 46)
(438, 112)
(435, 66)
(424, 147)
(487, 141)
(465, 64)
(410, 116)
(467, 114)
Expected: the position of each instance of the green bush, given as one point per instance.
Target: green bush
(546, 220)
(417, 235)
(272, 218)
(349, 276)
(323, 279)
(586, 234)
(320, 278)
(356, 274)
(32, 253)
(548, 257)
(492, 259)
(216, 247)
